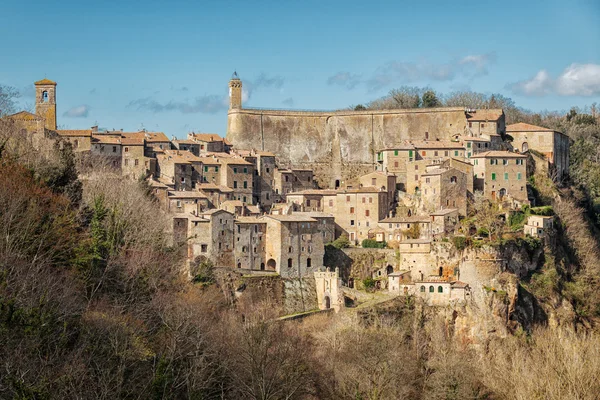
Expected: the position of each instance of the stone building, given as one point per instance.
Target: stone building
(215, 194)
(443, 187)
(291, 180)
(403, 228)
(133, 163)
(210, 235)
(486, 122)
(328, 285)
(325, 224)
(294, 245)
(186, 202)
(198, 143)
(176, 168)
(383, 180)
(538, 225)
(552, 144)
(339, 145)
(238, 175)
(358, 211)
(249, 244)
(499, 174)
(107, 149)
(443, 221)
(45, 102)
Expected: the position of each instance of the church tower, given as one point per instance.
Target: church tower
(45, 102)
(235, 92)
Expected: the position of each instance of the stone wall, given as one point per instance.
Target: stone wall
(338, 145)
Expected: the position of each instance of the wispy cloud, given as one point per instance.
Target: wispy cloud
(575, 80)
(345, 79)
(262, 81)
(403, 72)
(81, 111)
(288, 102)
(207, 104)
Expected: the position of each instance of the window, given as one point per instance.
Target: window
(126, 161)
(446, 153)
(44, 96)
(289, 263)
(519, 161)
(395, 152)
(364, 199)
(416, 177)
(410, 153)
(493, 161)
(308, 262)
(440, 289)
(427, 180)
(483, 125)
(178, 203)
(456, 153)
(205, 169)
(504, 161)
(351, 210)
(216, 169)
(435, 153)
(396, 164)
(453, 179)
(126, 149)
(330, 203)
(244, 199)
(426, 135)
(370, 200)
(470, 124)
(493, 176)
(347, 199)
(423, 153)
(468, 145)
(290, 249)
(416, 167)
(367, 213)
(235, 184)
(235, 170)
(431, 289)
(422, 289)
(137, 162)
(518, 176)
(201, 147)
(373, 181)
(351, 222)
(267, 170)
(245, 185)
(506, 176)
(287, 178)
(245, 170)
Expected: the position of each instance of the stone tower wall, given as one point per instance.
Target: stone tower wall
(46, 110)
(235, 94)
(338, 144)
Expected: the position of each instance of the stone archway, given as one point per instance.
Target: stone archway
(271, 265)
(327, 301)
(389, 269)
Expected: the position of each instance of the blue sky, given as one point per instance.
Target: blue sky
(166, 64)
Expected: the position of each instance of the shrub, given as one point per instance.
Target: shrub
(543, 210)
(373, 244)
(369, 284)
(341, 243)
(460, 242)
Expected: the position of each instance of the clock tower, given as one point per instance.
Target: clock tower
(235, 91)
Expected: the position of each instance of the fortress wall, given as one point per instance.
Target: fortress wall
(340, 144)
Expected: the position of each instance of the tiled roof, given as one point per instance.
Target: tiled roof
(25, 116)
(45, 81)
(436, 144)
(105, 139)
(416, 241)
(235, 203)
(313, 214)
(74, 132)
(485, 115)
(290, 218)
(250, 220)
(364, 189)
(234, 161)
(319, 192)
(206, 137)
(213, 211)
(498, 154)
(523, 127)
(459, 285)
(182, 194)
(208, 160)
(444, 212)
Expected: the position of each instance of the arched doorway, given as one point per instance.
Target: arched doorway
(524, 147)
(351, 283)
(389, 269)
(271, 265)
(502, 193)
(441, 271)
(262, 266)
(327, 302)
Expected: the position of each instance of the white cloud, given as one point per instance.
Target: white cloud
(346, 79)
(208, 104)
(575, 80)
(288, 102)
(81, 111)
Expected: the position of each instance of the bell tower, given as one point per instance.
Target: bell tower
(45, 102)
(235, 91)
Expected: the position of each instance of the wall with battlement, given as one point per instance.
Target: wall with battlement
(338, 144)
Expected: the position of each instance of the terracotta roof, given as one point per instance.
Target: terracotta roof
(413, 218)
(206, 137)
(473, 139)
(235, 203)
(208, 160)
(485, 115)
(321, 192)
(25, 116)
(45, 81)
(253, 209)
(234, 161)
(265, 154)
(290, 218)
(172, 156)
(150, 137)
(106, 139)
(400, 273)
(437, 144)
(459, 285)
(74, 132)
(182, 194)
(415, 241)
(188, 155)
(213, 211)
(314, 214)
(498, 154)
(364, 189)
(523, 127)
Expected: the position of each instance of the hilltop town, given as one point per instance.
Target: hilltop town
(263, 210)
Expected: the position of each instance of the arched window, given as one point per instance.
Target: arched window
(262, 266)
(45, 96)
(524, 147)
(453, 179)
(440, 289)
(431, 289)
(441, 271)
(239, 265)
(290, 263)
(422, 289)
(308, 262)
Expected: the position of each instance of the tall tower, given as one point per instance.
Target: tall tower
(235, 91)
(45, 102)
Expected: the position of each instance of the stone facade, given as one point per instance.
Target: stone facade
(45, 102)
(499, 174)
(552, 144)
(249, 245)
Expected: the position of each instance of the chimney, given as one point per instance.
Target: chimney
(95, 129)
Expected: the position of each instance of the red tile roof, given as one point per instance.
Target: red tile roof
(523, 127)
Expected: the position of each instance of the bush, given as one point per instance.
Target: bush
(517, 220)
(373, 244)
(543, 210)
(369, 284)
(341, 243)
(460, 242)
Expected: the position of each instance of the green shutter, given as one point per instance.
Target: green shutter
(395, 152)
(518, 176)
(410, 154)
(216, 169)
(506, 176)
(493, 176)
(456, 153)
(205, 169)
(469, 145)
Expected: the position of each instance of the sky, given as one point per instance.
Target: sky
(165, 65)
